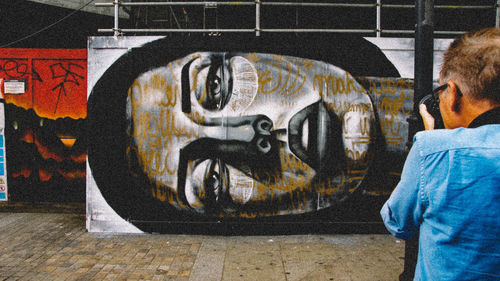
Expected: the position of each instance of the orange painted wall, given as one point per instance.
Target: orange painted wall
(45, 126)
(56, 79)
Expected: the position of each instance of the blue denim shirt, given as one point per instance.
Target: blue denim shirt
(450, 192)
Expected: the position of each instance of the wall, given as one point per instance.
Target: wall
(278, 130)
(45, 123)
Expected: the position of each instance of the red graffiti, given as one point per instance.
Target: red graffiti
(56, 80)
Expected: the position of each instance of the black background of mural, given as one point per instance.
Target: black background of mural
(131, 196)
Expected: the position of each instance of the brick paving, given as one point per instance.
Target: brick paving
(48, 246)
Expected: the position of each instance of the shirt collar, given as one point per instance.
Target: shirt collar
(489, 117)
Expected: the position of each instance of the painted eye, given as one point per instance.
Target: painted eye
(215, 185)
(213, 182)
(213, 179)
(212, 100)
(214, 84)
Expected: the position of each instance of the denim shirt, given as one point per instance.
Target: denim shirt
(449, 193)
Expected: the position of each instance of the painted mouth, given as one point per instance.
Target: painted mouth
(315, 137)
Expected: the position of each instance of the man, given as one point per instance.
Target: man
(449, 190)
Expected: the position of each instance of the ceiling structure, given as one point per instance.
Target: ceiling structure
(40, 23)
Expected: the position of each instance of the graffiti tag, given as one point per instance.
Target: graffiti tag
(68, 74)
(15, 70)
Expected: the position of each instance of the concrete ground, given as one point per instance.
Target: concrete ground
(48, 246)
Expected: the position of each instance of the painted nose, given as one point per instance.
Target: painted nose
(248, 129)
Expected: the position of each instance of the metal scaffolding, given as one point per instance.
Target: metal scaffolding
(377, 30)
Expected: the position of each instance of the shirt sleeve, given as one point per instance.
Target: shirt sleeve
(402, 212)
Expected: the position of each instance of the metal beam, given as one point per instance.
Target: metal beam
(77, 4)
(424, 61)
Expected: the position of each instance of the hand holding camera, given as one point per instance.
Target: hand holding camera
(429, 110)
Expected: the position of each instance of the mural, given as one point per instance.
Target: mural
(276, 128)
(45, 112)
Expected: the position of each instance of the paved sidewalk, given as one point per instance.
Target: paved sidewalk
(45, 246)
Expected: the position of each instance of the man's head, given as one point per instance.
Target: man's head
(471, 68)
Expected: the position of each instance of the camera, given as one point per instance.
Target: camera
(433, 108)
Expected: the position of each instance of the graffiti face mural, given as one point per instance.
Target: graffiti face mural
(222, 134)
